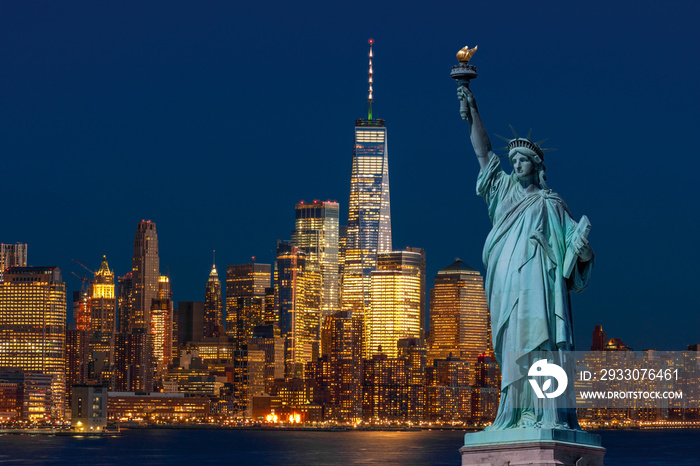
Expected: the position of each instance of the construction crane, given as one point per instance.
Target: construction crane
(85, 281)
(83, 266)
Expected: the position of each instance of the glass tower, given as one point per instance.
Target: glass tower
(316, 234)
(459, 315)
(395, 310)
(245, 299)
(369, 215)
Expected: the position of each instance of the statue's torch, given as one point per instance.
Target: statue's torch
(463, 73)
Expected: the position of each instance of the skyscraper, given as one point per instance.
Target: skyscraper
(145, 274)
(395, 312)
(103, 306)
(162, 326)
(103, 301)
(245, 299)
(33, 324)
(299, 312)
(369, 215)
(459, 315)
(316, 233)
(125, 301)
(213, 305)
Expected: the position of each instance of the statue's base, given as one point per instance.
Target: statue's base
(531, 446)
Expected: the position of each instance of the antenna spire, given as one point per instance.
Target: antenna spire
(214, 253)
(370, 99)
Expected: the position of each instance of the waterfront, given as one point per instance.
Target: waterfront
(156, 446)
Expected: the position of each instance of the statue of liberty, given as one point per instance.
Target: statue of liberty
(534, 256)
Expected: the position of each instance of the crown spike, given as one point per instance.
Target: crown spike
(513, 130)
(501, 137)
(529, 133)
(540, 142)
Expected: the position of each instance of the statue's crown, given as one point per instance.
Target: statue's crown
(524, 143)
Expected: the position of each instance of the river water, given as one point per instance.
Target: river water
(241, 447)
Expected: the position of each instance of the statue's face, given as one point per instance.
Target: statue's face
(523, 166)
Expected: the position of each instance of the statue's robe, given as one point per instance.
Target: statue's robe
(526, 287)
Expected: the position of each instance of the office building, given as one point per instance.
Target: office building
(133, 361)
(395, 309)
(103, 304)
(145, 274)
(342, 335)
(33, 325)
(245, 299)
(190, 322)
(423, 309)
(369, 211)
(298, 307)
(316, 234)
(161, 329)
(459, 317)
(125, 302)
(213, 306)
(77, 359)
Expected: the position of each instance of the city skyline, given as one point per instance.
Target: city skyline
(86, 119)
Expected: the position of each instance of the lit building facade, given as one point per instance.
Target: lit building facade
(459, 316)
(103, 303)
(133, 361)
(342, 333)
(89, 408)
(34, 396)
(298, 307)
(81, 308)
(12, 255)
(145, 274)
(33, 324)
(77, 359)
(369, 209)
(162, 326)
(213, 305)
(448, 392)
(245, 298)
(385, 389)
(395, 308)
(316, 233)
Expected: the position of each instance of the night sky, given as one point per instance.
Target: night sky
(213, 119)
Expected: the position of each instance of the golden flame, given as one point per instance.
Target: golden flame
(466, 54)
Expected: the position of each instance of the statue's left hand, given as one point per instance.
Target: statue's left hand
(583, 249)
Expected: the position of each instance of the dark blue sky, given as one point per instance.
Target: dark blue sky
(213, 120)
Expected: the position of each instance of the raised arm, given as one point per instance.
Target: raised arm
(477, 132)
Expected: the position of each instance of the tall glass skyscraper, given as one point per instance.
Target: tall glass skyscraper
(459, 315)
(316, 234)
(395, 310)
(369, 216)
